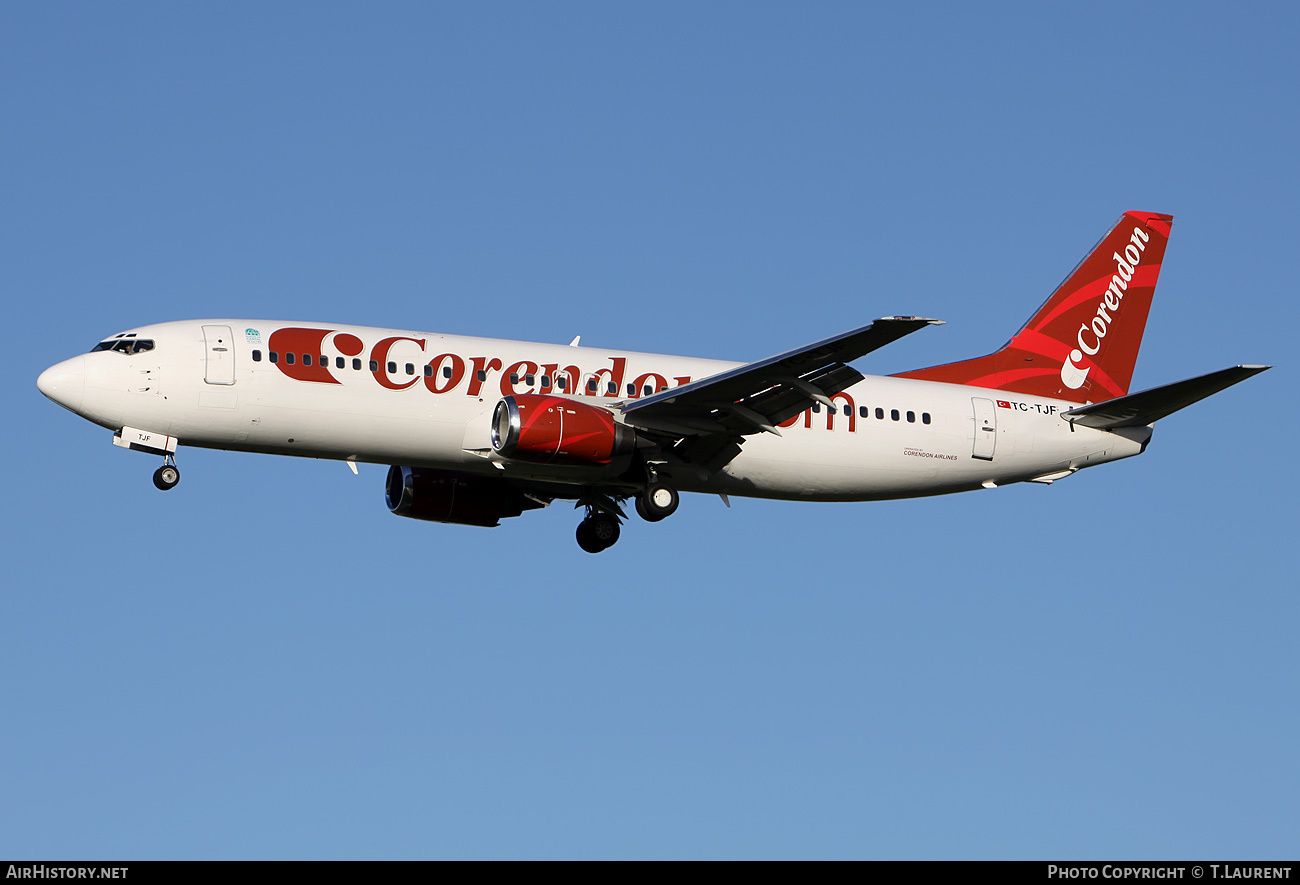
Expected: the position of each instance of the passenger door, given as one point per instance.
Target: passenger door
(219, 344)
(986, 428)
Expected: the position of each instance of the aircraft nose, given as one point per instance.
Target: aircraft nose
(65, 382)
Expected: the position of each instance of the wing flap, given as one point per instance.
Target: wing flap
(1148, 406)
(783, 403)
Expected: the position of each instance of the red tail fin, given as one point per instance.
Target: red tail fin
(1083, 343)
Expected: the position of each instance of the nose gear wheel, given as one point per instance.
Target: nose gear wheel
(166, 477)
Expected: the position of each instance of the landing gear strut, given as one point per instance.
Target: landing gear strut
(166, 476)
(598, 531)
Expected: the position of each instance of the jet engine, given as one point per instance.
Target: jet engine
(447, 496)
(552, 429)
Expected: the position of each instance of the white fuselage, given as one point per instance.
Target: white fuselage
(212, 383)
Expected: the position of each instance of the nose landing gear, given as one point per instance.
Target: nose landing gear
(167, 476)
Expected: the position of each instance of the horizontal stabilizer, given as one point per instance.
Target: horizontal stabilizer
(1142, 408)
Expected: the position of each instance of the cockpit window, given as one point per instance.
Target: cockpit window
(124, 345)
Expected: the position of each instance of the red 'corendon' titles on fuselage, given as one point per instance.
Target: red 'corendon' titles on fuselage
(306, 354)
(476, 430)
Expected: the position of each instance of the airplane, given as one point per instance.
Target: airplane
(477, 430)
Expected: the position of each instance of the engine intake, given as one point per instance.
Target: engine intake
(447, 496)
(537, 427)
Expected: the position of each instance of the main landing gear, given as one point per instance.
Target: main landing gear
(657, 501)
(600, 529)
(167, 476)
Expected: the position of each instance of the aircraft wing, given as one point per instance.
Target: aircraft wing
(712, 412)
(1146, 406)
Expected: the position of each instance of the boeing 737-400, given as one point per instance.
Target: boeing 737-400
(480, 429)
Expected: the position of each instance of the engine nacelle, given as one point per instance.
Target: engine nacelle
(549, 429)
(447, 496)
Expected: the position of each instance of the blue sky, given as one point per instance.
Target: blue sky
(265, 663)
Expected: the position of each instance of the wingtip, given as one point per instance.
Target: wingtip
(927, 320)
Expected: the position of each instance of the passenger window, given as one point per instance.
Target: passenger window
(482, 375)
(257, 356)
(392, 367)
(410, 368)
(356, 365)
(546, 380)
(275, 356)
(817, 408)
(306, 359)
(864, 412)
(925, 417)
(648, 390)
(374, 365)
(893, 414)
(880, 414)
(289, 358)
(446, 371)
(591, 385)
(514, 377)
(631, 390)
(911, 417)
(530, 380)
(847, 411)
(613, 388)
(339, 362)
(562, 382)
